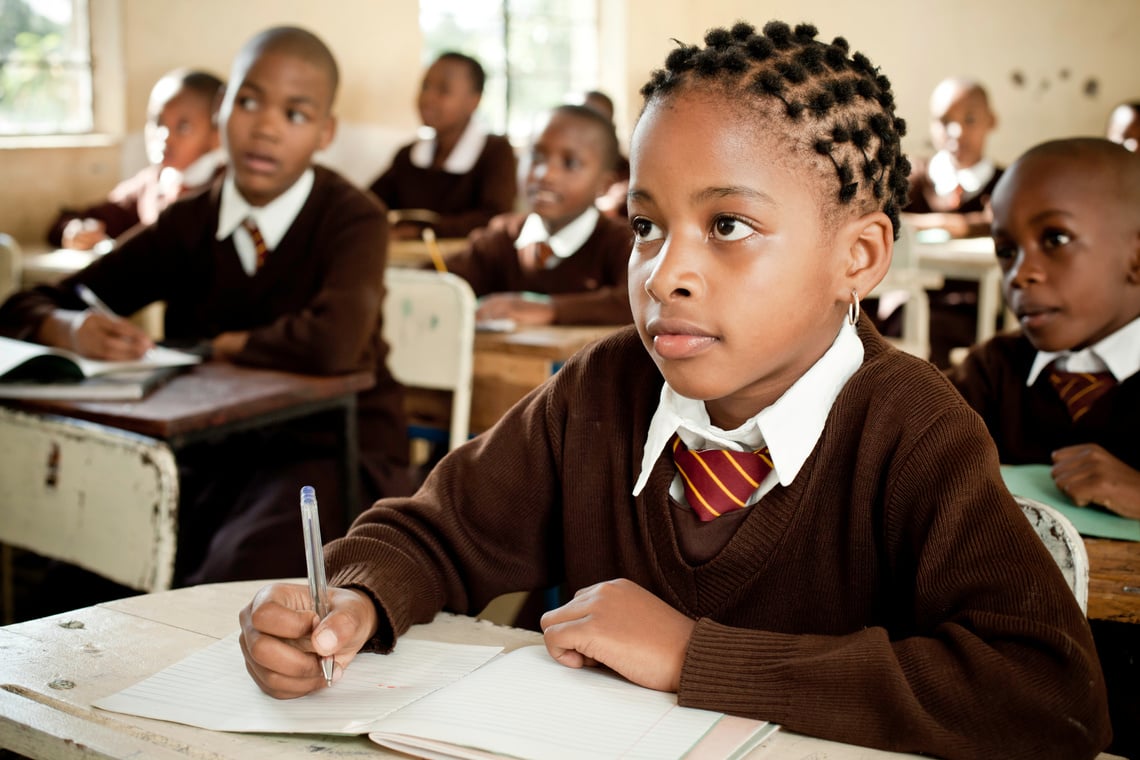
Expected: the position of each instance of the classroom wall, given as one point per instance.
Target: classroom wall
(1053, 67)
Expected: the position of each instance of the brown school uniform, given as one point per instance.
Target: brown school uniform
(315, 308)
(464, 201)
(892, 596)
(588, 287)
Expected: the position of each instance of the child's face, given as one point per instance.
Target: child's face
(1069, 249)
(1124, 127)
(960, 121)
(180, 130)
(275, 118)
(566, 171)
(447, 96)
(736, 288)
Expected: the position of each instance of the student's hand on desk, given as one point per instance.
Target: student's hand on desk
(522, 310)
(95, 335)
(1088, 474)
(83, 234)
(624, 627)
(280, 634)
(228, 344)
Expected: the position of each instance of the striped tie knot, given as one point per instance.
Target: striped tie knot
(258, 241)
(718, 481)
(1080, 390)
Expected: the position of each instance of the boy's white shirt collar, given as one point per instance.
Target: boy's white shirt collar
(790, 427)
(946, 176)
(202, 170)
(462, 157)
(1116, 353)
(273, 219)
(566, 242)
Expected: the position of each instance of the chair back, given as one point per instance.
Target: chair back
(429, 325)
(1063, 542)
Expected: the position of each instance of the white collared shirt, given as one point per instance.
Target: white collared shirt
(946, 175)
(273, 219)
(462, 157)
(1118, 353)
(566, 242)
(790, 427)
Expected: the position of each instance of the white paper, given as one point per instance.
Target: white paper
(211, 689)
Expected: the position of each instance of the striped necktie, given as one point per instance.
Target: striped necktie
(258, 241)
(718, 481)
(1080, 390)
(535, 256)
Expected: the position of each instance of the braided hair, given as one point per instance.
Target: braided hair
(841, 105)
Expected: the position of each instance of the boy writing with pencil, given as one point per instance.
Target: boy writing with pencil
(761, 505)
(565, 249)
(278, 264)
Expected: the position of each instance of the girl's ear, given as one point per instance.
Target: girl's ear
(869, 243)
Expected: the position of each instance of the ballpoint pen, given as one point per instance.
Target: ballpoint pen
(88, 297)
(315, 560)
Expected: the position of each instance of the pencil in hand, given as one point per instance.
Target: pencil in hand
(428, 236)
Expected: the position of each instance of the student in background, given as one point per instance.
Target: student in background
(1065, 391)
(279, 264)
(461, 173)
(951, 191)
(883, 589)
(564, 249)
(613, 201)
(182, 146)
(1124, 125)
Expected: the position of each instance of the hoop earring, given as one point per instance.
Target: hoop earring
(853, 308)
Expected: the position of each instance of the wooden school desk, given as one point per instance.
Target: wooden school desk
(507, 366)
(968, 259)
(52, 669)
(1114, 580)
(414, 253)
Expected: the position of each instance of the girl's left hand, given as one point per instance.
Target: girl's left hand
(1088, 474)
(624, 627)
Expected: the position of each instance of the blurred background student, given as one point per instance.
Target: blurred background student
(182, 146)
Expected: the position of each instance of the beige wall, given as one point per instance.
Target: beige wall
(1057, 45)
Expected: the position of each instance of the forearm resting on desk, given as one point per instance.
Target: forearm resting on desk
(98, 336)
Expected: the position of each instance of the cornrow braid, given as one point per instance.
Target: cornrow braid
(839, 101)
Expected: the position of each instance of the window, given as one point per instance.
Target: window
(535, 52)
(45, 67)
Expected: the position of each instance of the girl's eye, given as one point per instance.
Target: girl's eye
(645, 230)
(297, 117)
(730, 228)
(1055, 239)
(246, 103)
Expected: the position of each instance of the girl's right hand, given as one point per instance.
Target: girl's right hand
(282, 640)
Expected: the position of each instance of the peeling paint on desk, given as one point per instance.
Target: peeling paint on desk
(71, 624)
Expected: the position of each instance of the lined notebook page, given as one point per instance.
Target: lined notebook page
(211, 689)
(524, 704)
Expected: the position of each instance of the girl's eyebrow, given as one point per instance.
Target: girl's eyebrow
(730, 191)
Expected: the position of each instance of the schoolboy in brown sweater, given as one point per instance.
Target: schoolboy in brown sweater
(311, 305)
(878, 587)
(565, 249)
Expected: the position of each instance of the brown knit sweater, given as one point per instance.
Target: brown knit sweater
(892, 596)
(588, 288)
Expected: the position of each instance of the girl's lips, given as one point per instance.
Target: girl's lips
(681, 345)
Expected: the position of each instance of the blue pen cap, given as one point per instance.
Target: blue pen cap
(308, 494)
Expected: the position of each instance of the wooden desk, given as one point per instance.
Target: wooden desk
(1114, 580)
(414, 253)
(507, 366)
(968, 259)
(216, 399)
(52, 669)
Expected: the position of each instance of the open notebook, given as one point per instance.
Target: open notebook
(441, 700)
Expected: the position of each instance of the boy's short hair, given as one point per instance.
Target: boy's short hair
(474, 68)
(1120, 167)
(964, 84)
(294, 41)
(605, 127)
(202, 83)
(838, 109)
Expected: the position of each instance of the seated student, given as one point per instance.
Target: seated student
(1067, 233)
(564, 249)
(883, 589)
(182, 147)
(461, 173)
(278, 264)
(951, 191)
(1124, 125)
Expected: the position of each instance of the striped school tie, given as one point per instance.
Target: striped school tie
(1080, 390)
(718, 481)
(258, 241)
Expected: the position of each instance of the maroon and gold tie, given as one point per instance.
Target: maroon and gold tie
(1080, 390)
(258, 241)
(533, 257)
(718, 481)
